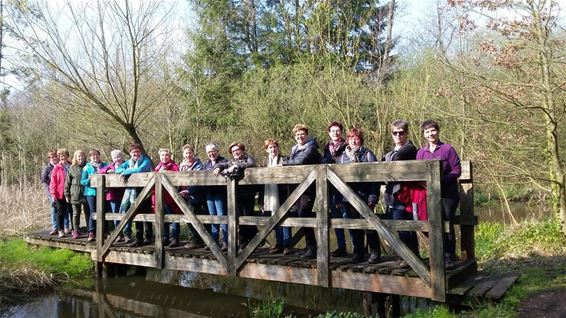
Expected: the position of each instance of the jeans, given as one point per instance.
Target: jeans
(304, 210)
(174, 226)
(92, 207)
(115, 208)
(216, 204)
(283, 236)
(62, 210)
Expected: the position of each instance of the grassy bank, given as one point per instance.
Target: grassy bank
(26, 270)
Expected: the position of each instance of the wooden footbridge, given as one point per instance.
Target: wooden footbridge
(425, 277)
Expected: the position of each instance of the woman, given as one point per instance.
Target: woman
(369, 192)
(246, 194)
(193, 194)
(397, 207)
(305, 152)
(436, 149)
(167, 164)
(92, 167)
(332, 150)
(46, 179)
(216, 196)
(114, 195)
(74, 192)
(57, 188)
(273, 196)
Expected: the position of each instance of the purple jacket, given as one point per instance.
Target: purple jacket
(451, 167)
(112, 194)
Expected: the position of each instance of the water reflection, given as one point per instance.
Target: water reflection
(136, 297)
(520, 211)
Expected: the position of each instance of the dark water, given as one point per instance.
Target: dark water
(135, 297)
(517, 211)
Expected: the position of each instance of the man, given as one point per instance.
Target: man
(45, 180)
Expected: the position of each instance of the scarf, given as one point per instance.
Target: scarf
(96, 165)
(187, 165)
(334, 146)
(353, 153)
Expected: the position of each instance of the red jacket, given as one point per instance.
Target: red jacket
(167, 199)
(57, 183)
(412, 194)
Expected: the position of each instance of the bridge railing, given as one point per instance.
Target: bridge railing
(338, 175)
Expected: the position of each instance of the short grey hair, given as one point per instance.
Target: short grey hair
(211, 146)
(116, 153)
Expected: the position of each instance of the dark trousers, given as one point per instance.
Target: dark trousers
(62, 208)
(199, 208)
(449, 206)
(358, 235)
(304, 210)
(246, 208)
(407, 237)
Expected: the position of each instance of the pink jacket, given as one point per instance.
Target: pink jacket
(57, 183)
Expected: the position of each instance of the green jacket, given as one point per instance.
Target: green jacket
(74, 191)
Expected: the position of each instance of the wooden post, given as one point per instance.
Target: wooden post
(322, 260)
(434, 208)
(467, 210)
(158, 221)
(100, 215)
(232, 198)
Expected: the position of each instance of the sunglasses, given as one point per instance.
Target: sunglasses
(398, 133)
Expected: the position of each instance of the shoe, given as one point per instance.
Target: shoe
(119, 238)
(76, 234)
(193, 246)
(403, 264)
(276, 250)
(224, 247)
(91, 237)
(134, 243)
(147, 242)
(61, 234)
(374, 258)
(67, 231)
(339, 252)
(357, 257)
(309, 253)
(174, 243)
(53, 232)
(287, 251)
(127, 239)
(449, 263)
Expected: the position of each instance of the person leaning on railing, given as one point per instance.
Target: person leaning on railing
(355, 152)
(332, 150)
(246, 194)
(452, 169)
(114, 195)
(397, 198)
(305, 152)
(137, 163)
(169, 205)
(216, 196)
(272, 195)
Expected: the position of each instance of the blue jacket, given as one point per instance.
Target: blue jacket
(127, 168)
(89, 170)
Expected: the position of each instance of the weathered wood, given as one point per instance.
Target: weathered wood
(502, 286)
(467, 241)
(100, 221)
(462, 288)
(322, 252)
(272, 221)
(189, 212)
(128, 217)
(434, 209)
(486, 284)
(394, 242)
(275, 175)
(158, 228)
(232, 198)
(409, 286)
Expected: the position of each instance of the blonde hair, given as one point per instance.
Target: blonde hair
(76, 155)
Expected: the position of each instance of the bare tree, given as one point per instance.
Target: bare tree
(104, 55)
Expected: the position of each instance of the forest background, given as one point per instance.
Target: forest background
(105, 74)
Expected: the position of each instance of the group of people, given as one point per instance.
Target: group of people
(68, 185)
